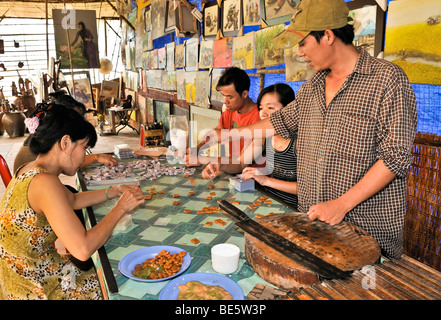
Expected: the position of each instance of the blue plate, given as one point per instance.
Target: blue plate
(128, 262)
(171, 290)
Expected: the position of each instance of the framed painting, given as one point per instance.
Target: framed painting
(265, 53)
(206, 54)
(369, 21)
(158, 16)
(170, 56)
(180, 56)
(251, 12)
(190, 89)
(412, 39)
(154, 57)
(191, 54)
(161, 111)
(296, 69)
(231, 17)
(170, 23)
(202, 89)
(212, 19)
(80, 89)
(186, 22)
(180, 84)
(201, 121)
(216, 97)
(82, 42)
(223, 52)
(171, 81)
(162, 58)
(243, 51)
(149, 110)
(276, 12)
(110, 89)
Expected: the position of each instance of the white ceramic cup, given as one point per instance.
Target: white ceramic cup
(225, 257)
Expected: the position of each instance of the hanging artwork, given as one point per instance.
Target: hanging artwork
(206, 54)
(223, 52)
(202, 89)
(296, 69)
(75, 31)
(231, 17)
(171, 81)
(413, 41)
(158, 14)
(216, 97)
(170, 56)
(190, 89)
(170, 24)
(243, 51)
(179, 56)
(211, 19)
(180, 84)
(191, 54)
(266, 55)
(162, 58)
(251, 12)
(276, 12)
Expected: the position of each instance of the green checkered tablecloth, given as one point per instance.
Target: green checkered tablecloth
(160, 222)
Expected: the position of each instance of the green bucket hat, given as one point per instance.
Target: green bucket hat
(312, 15)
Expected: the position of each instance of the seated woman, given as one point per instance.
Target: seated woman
(36, 210)
(279, 176)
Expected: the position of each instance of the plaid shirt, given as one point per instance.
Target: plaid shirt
(373, 116)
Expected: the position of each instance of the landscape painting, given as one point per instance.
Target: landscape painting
(413, 39)
(243, 51)
(266, 55)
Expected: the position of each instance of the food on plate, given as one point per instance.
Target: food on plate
(163, 265)
(195, 290)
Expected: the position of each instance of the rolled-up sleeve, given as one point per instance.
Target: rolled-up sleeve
(397, 125)
(285, 120)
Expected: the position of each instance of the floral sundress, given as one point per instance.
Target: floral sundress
(30, 266)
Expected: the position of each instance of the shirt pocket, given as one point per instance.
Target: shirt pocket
(355, 138)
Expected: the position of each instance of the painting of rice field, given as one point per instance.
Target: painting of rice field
(413, 39)
(266, 55)
(243, 51)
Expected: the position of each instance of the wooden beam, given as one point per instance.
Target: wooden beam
(121, 16)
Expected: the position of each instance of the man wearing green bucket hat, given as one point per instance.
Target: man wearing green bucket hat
(356, 121)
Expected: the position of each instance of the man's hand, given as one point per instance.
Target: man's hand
(331, 212)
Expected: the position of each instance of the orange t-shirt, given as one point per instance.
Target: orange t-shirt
(233, 119)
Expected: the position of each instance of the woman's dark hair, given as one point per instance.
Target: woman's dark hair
(55, 121)
(235, 76)
(285, 92)
(83, 29)
(345, 34)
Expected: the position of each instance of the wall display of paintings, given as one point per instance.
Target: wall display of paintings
(110, 89)
(266, 55)
(131, 80)
(413, 41)
(180, 56)
(191, 54)
(161, 111)
(130, 55)
(206, 54)
(190, 89)
(180, 84)
(223, 52)
(212, 19)
(162, 58)
(251, 12)
(76, 31)
(231, 17)
(81, 90)
(163, 79)
(154, 58)
(276, 12)
(216, 97)
(142, 107)
(202, 89)
(296, 69)
(170, 56)
(201, 121)
(147, 41)
(158, 14)
(243, 51)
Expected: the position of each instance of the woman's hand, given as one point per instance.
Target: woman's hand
(258, 174)
(106, 159)
(130, 198)
(118, 190)
(211, 171)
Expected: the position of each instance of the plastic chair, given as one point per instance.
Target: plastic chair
(4, 171)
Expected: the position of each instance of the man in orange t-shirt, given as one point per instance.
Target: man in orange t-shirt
(240, 110)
